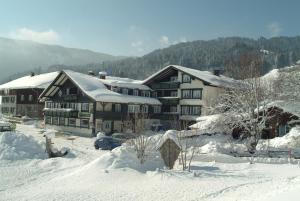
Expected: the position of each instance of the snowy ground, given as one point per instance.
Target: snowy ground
(87, 174)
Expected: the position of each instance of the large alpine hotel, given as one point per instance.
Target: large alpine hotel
(85, 104)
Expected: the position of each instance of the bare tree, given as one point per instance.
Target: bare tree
(141, 143)
(244, 108)
(186, 146)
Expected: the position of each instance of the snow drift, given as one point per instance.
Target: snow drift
(124, 157)
(289, 141)
(17, 146)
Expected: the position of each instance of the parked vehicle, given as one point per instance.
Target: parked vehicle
(123, 136)
(107, 143)
(6, 126)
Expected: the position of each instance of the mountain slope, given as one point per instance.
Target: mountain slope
(20, 56)
(206, 55)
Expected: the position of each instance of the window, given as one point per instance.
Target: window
(186, 78)
(61, 121)
(191, 93)
(117, 107)
(72, 122)
(135, 92)
(73, 90)
(5, 109)
(196, 110)
(55, 120)
(156, 108)
(12, 99)
(144, 108)
(22, 97)
(115, 89)
(30, 98)
(85, 107)
(173, 93)
(124, 91)
(133, 108)
(173, 109)
(155, 94)
(197, 93)
(185, 110)
(84, 123)
(67, 91)
(145, 93)
(107, 125)
(48, 104)
(12, 110)
(186, 93)
(47, 120)
(60, 93)
(174, 78)
(190, 110)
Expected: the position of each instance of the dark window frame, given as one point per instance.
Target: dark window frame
(190, 110)
(183, 74)
(83, 125)
(192, 93)
(71, 125)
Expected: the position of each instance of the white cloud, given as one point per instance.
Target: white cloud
(274, 28)
(182, 40)
(164, 40)
(133, 28)
(138, 45)
(49, 36)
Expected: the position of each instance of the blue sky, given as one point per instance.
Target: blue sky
(136, 27)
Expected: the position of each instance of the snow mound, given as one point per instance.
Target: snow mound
(169, 134)
(290, 140)
(17, 146)
(125, 157)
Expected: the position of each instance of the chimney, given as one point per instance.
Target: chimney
(102, 75)
(32, 74)
(91, 73)
(217, 72)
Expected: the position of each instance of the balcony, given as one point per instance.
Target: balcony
(61, 112)
(71, 97)
(169, 100)
(165, 85)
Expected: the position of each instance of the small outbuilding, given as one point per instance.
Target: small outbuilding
(169, 148)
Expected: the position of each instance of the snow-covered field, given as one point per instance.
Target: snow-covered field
(89, 174)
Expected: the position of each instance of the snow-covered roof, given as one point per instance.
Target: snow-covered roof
(209, 77)
(207, 124)
(124, 82)
(4, 123)
(37, 81)
(170, 134)
(95, 88)
(292, 107)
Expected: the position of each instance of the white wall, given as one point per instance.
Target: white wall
(209, 94)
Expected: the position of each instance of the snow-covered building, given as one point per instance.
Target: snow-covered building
(86, 104)
(20, 96)
(282, 116)
(186, 93)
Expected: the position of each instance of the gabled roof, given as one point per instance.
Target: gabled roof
(124, 82)
(206, 76)
(289, 106)
(41, 81)
(94, 88)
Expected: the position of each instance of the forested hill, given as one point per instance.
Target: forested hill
(276, 52)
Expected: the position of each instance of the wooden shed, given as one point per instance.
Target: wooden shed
(169, 151)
